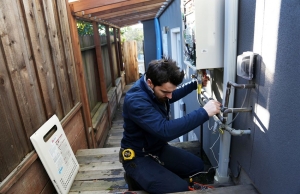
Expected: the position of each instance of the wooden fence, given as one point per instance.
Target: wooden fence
(37, 73)
(37, 79)
(44, 72)
(91, 69)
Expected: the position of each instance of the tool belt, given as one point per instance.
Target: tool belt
(126, 154)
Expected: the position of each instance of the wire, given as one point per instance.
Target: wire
(214, 167)
(241, 107)
(211, 148)
(209, 128)
(204, 172)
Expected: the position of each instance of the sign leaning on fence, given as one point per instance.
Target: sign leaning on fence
(54, 150)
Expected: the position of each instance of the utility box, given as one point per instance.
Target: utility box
(245, 65)
(209, 33)
(204, 27)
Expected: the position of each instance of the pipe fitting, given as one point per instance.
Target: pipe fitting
(235, 110)
(243, 86)
(237, 132)
(235, 85)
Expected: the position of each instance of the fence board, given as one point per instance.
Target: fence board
(42, 55)
(117, 51)
(120, 51)
(67, 45)
(13, 148)
(114, 60)
(58, 58)
(88, 58)
(101, 75)
(112, 71)
(10, 140)
(20, 67)
(107, 70)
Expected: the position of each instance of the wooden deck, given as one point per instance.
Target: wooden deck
(101, 172)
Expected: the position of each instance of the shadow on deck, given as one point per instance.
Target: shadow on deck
(101, 172)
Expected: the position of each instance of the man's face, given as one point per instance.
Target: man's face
(163, 92)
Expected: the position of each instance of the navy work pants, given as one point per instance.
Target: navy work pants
(156, 178)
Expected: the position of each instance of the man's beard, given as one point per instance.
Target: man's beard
(162, 100)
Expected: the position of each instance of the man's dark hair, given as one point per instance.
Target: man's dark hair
(163, 71)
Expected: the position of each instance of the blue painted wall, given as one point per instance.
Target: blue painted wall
(149, 42)
(172, 20)
(270, 156)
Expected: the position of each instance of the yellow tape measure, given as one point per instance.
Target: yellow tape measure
(128, 154)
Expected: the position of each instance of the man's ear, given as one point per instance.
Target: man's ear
(149, 82)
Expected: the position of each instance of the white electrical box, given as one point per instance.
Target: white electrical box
(209, 33)
(54, 150)
(245, 63)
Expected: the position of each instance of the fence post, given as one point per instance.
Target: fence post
(130, 61)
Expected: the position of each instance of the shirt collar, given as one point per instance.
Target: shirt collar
(147, 84)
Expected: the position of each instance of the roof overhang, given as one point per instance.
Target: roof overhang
(118, 13)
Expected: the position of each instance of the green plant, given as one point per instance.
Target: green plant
(86, 28)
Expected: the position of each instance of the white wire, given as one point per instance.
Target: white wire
(214, 157)
(211, 148)
(241, 107)
(209, 128)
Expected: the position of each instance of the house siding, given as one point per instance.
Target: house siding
(168, 18)
(270, 155)
(149, 41)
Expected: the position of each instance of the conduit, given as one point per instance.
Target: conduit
(230, 53)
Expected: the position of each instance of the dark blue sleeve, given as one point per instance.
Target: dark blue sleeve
(183, 90)
(151, 120)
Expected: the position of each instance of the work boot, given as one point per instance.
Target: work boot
(132, 184)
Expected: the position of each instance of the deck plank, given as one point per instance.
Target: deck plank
(97, 151)
(97, 158)
(100, 174)
(99, 185)
(100, 166)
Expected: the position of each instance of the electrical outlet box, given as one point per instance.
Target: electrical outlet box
(245, 64)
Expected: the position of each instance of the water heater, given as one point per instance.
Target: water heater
(209, 33)
(204, 27)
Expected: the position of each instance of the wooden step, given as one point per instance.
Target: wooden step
(100, 170)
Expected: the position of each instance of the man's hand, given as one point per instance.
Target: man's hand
(212, 107)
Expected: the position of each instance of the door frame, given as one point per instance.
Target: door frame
(176, 54)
